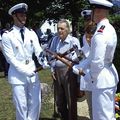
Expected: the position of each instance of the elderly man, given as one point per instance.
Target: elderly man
(102, 78)
(65, 79)
(19, 44)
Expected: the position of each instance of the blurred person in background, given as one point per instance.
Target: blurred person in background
(89, 29)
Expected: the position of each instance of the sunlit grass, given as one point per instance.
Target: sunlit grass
(7, 110)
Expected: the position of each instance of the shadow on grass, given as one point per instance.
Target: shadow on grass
(83, 118)
(2, 76)
(79, 118)
(47, 119)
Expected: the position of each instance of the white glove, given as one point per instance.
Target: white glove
(76, 70)
(30, 73)
(45, 65)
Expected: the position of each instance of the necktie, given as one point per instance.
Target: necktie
(22, 34)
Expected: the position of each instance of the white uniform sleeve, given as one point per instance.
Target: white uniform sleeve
(85, 64)
(98, 55)
(37, 46)
(85, 48)
(0, 42)
(38, 51)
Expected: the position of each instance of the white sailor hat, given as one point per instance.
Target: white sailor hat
(18, 8)
(86, 13)
(100, 4)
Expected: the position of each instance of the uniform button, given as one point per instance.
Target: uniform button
(92, 81)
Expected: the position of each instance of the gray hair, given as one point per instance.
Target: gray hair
(66, 22)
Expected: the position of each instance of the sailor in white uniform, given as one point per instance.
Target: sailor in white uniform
(18, 45)
(102, 78)
(86, 14)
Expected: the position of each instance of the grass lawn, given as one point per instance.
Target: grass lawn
(7, 111)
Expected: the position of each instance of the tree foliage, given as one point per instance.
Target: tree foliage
(115, 20)
(40, 10)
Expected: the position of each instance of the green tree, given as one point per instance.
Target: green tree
(40, 10)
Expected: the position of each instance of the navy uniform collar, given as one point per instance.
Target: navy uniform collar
(18, 28)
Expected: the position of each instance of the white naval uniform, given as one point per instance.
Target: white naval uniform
(86, 50)
(102, 79)
(26, 90)
(86, 46)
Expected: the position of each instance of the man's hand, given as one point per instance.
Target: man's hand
(45, 65)
(30, 73)
(78, 71)
(75, 70)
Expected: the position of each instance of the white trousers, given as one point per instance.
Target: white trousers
(103, 104)
(27, 100)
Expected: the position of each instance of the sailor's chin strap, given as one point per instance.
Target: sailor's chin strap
(19, 19)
